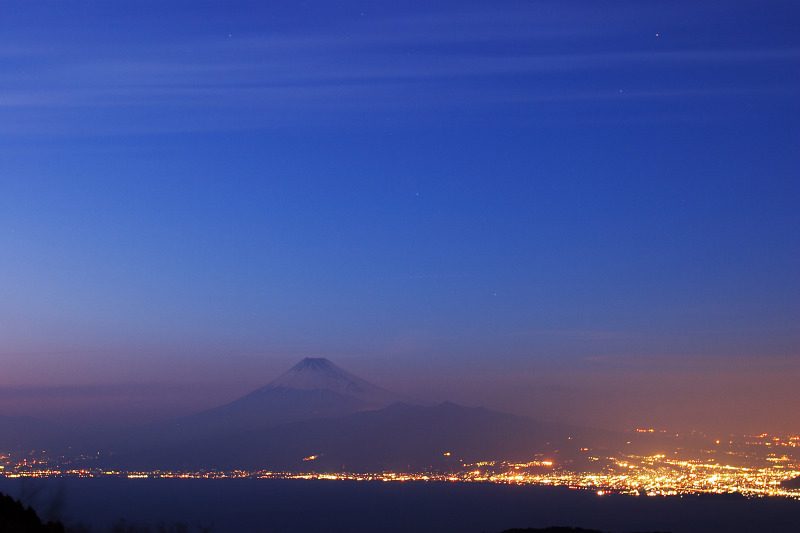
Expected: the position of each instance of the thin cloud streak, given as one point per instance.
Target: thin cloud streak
(137, 79)
(698, 362)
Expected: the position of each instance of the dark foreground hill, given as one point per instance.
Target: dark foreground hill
(14, 518)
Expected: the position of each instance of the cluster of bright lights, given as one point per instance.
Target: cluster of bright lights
(652, 475)
(659, 476)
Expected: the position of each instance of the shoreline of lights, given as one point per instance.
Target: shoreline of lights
(743, 481)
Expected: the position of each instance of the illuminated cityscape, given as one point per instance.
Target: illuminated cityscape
(441, 267)
(756, 466)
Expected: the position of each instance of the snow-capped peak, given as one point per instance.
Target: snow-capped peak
(315, 373)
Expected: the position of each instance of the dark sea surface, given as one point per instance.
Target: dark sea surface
(309, 506)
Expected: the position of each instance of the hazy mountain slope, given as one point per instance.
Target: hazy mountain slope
(399, 437)
(318, 409)
(26, 431)
(314, 388)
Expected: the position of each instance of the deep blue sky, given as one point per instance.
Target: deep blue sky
(533, 206)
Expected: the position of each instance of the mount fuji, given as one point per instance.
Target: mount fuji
(319, 374)
(313, 389)
(318, 410)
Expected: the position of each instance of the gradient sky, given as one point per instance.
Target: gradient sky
(576, 210)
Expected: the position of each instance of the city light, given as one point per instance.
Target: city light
(754, 470)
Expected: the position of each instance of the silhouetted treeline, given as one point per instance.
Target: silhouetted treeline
(131, 527)
(15, 518)
(556, 529)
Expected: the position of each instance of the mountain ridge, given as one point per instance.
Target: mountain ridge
(320, 411)
(399, 437)
(314, 388)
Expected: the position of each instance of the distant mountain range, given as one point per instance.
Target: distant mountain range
(317, 416)
(313, 389)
